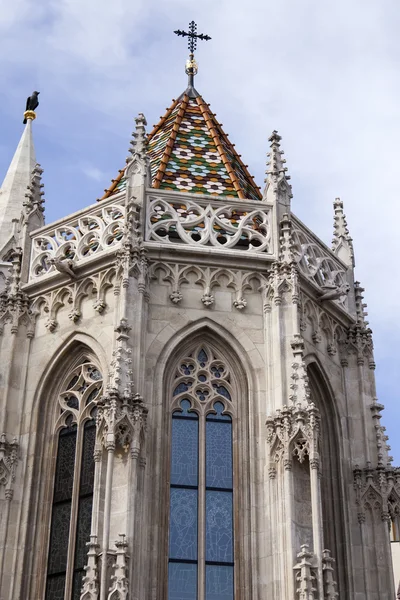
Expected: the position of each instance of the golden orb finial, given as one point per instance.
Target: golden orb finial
(29, 114)
(191, 67)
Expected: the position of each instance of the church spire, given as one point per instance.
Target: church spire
(277, 180)
(16, 181)
(342, 244)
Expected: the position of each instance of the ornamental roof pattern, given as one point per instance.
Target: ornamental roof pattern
(190, 152)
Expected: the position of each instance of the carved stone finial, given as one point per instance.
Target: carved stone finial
(330, 584)
(34, 196)
(276, 179)
(384, 459)
(119, 586)
(360, 304)
(90, 582)
(342, 244)
(305, 575)
(139, 139)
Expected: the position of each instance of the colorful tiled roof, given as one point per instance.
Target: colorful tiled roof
(189, 152)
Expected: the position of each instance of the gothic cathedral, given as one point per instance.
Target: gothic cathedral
(188, 405)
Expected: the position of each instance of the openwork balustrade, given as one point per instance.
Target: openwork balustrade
(317, 262)
(91, 233)
(241, 226)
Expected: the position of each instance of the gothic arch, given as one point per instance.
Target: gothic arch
(43, 447)
(333, 493)
(226, 346)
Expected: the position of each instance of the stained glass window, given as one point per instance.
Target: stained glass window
(201, 551)
(74, 463)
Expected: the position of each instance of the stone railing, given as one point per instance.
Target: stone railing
(243, 226)
(318, 263)
(90, 232)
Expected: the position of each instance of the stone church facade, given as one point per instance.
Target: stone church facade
(188, 404)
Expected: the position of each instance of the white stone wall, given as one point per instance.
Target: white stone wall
(132, 310)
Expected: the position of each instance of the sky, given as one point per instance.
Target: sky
(324, 74)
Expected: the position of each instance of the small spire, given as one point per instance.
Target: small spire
(138, 144)
(342, 243)
(360, 304)
(276, 170)
(16, 181)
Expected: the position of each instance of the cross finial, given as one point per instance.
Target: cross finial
(192, 35)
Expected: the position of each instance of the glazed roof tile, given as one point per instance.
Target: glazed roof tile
(190, 152)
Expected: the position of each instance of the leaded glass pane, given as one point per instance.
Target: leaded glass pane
(72, 402)
(87, 466)
(202, 358)
(218, 416)
(183, 524)
(219, 527)
(185, 412)
(187, 368)
(182, 581)
(92, 395)
(202, 394)
(64, 479)
(55, 587)
(217, 371)
(219, 582)
(94, 373)
(182, 387)
(184, 452)
(59, 538)
(77, 584)
(222, 391)
(218, 454)
(72, 382)
(83, 531)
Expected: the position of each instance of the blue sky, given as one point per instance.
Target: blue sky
(324, 74)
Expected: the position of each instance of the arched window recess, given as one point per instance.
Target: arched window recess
(72, 500)
(201, 545)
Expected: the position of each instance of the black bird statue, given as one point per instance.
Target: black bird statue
(32, 102)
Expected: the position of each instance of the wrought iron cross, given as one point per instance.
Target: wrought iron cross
(192, 36)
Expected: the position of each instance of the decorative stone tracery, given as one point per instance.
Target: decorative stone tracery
(15, 306)
(97, 231)
(208, 278)
(73, 296)
(205, 223)
(293, 433)
(377, 490)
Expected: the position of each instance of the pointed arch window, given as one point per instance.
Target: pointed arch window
(73, 482)
(201, 550)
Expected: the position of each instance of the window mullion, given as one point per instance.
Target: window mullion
(74, 513)
(202, 510)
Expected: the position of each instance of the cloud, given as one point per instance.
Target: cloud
(325, 74)
(92, 172)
